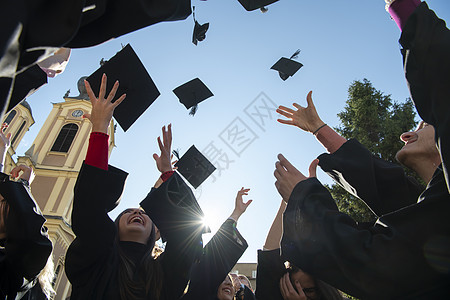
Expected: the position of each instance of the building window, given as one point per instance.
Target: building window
(65, 138)
(11, 116)
(55, 277)
(18, 132)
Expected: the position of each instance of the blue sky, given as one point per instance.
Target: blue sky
(340, 41)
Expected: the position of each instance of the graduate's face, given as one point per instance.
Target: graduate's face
(135, 225)
(419, 146)
(226, 290)
(306, 282)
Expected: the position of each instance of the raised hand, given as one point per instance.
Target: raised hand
(288, 291)
(163, 161)
(288, 176)
(102, 109)
(305, 118)
(240, 206)
(27, 173)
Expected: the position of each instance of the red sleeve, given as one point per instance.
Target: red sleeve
(166, 175)
(97, 153)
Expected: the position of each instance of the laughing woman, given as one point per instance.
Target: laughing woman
(118, 260)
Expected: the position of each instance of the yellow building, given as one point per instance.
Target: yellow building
(56, 156)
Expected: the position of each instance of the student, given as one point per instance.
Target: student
(404, 254)
(275, 281)
(219, 256)
(116, 260)
(25, 249)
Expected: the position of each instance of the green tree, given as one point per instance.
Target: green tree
(376, 122)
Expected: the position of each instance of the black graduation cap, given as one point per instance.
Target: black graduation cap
(199, 33)
(287, 67)
(192, 93)
(134, 80)
(255, 4)
(195, 167)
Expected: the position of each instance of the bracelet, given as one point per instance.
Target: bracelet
(315, 131)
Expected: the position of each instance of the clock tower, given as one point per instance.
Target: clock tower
(56, 156)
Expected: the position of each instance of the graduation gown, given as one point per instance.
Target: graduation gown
(403, 255)
(219, 256)
(425, 41)
(269, 271)
(25, 251)
(92, 260)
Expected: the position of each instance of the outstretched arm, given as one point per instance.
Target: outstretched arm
(240, 206)
(273, 238)
(307, 119)
(100, 117)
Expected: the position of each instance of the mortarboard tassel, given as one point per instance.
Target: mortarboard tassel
(193, 110)
(176, 152)
(295, 55)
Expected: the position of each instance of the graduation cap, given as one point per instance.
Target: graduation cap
(287, 67)
(195, 167)
(192, 93)
(199, 33)
(134, 80)
(255, 4)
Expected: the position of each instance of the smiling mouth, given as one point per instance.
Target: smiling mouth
(227, 291)
(136, 219)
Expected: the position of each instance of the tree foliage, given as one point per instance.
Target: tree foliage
(376, 122)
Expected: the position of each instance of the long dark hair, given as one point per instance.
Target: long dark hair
(324, 290)
(149, 271)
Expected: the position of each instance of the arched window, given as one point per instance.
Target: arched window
(11, 116)
(18, 132)
(65, 138)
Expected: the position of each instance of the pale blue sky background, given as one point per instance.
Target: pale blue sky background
(340, 41)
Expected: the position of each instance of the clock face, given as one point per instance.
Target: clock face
(77, 113)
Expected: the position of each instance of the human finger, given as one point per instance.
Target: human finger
(89, 90)
(118, 101)
(87, 116)
(102, 91)
(289, 122)
(285, 113)
(298, 106)
(313, 168)
(285, 109)
(113, 91)
(285, 163)
(279, 168)
(299, 289)
(169, 134)
(160, 144)
(309, 99)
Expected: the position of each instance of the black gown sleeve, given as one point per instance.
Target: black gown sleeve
(382, 185)
(270, 269)
(401, 256)
(219, 256)
(27, 246)
(176, 213)
(426, 58)
(96, 192)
